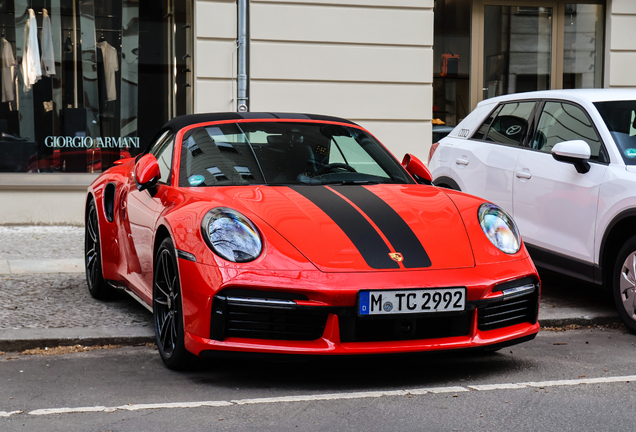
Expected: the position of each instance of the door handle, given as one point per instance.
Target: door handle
(461, 161)
(523, 175)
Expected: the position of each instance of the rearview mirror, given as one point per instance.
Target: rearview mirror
(147, 172)
(417, 169)
(575, 152)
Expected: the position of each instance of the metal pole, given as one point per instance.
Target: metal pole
(242, 56)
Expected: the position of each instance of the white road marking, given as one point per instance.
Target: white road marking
(10, 413)
(131, 407)
(330, 396)
(496, 387)
(581, 381)
(334, 396)
(438, 390)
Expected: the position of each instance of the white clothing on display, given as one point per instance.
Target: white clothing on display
(111, 65)
(8, 72)
(31, 71)
(48, 57)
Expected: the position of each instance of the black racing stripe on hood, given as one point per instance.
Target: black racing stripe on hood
(361, 233)
(396, 230)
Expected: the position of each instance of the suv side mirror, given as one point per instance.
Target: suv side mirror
(417, 169)
(147, 172)
(576, 152)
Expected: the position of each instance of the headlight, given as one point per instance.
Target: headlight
(231, 235)
(499, 228)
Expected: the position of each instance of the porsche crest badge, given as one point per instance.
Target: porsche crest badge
(396, 256)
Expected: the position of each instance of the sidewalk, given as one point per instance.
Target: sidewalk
(44, 299)
(45, 302)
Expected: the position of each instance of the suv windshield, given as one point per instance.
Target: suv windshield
(620, 118)
(277, 153)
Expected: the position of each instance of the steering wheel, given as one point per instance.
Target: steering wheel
(330, 167)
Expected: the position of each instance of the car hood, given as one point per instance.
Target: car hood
(364, 228)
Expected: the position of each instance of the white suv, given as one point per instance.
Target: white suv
(563, 164)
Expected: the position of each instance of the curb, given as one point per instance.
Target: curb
(15, 340)
(581, 321)
(26, 344)
(36, 266)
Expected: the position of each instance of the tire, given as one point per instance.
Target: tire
(97, 286)
(624, 284)
(167, 310)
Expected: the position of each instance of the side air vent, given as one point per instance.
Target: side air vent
(109, 201)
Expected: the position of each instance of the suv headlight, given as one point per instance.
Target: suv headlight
(499, 228)
(231, 235)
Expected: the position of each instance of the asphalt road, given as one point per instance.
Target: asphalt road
(567, 380)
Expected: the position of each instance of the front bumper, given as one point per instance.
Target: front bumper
(316, 313)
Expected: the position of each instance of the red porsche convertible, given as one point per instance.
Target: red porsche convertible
(302, 234)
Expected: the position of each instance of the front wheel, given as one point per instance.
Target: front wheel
(97, 286)
(167, 310)
(624, 284)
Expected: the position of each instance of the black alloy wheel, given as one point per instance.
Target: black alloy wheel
(624, 284)
(97, 286)
(167, 310)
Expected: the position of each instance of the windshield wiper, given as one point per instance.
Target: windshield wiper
(352, 182)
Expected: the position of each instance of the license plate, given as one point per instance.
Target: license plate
(392, 302)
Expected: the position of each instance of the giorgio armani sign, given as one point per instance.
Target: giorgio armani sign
(90, 142)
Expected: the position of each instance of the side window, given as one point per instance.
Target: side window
(562, 121)
(511, 123)
(163, 150)
(483, 129)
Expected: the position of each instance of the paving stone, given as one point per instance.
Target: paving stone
(62, 301)
(32, 266)
(41, 242)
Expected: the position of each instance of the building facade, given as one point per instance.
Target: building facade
(86, 82)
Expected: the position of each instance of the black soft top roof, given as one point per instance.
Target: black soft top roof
(180, 122)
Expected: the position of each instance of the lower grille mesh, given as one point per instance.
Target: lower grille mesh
(507, 313)
(260, 322)
(354, 329)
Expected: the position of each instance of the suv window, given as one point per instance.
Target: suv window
(620, 119)
(163, 150)
(507, 124)
(561, 121)
(511, 124)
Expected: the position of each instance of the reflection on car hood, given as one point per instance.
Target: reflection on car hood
(365, 228)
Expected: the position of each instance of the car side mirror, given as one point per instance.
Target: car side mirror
(417, 169)
(575, 152)
(147, 172)
(122, 161)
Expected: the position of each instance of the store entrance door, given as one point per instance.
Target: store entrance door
(521, 46)
(517, 49)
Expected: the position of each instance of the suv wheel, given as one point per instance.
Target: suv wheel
(624, 284)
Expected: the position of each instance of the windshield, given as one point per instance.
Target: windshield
(279, 153)
(620, 118)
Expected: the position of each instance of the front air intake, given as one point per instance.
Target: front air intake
(509, 311)
(270, 319)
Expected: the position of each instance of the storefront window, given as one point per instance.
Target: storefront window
(517, 49)
(87, 82)
(451, 64)
(583, 46)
